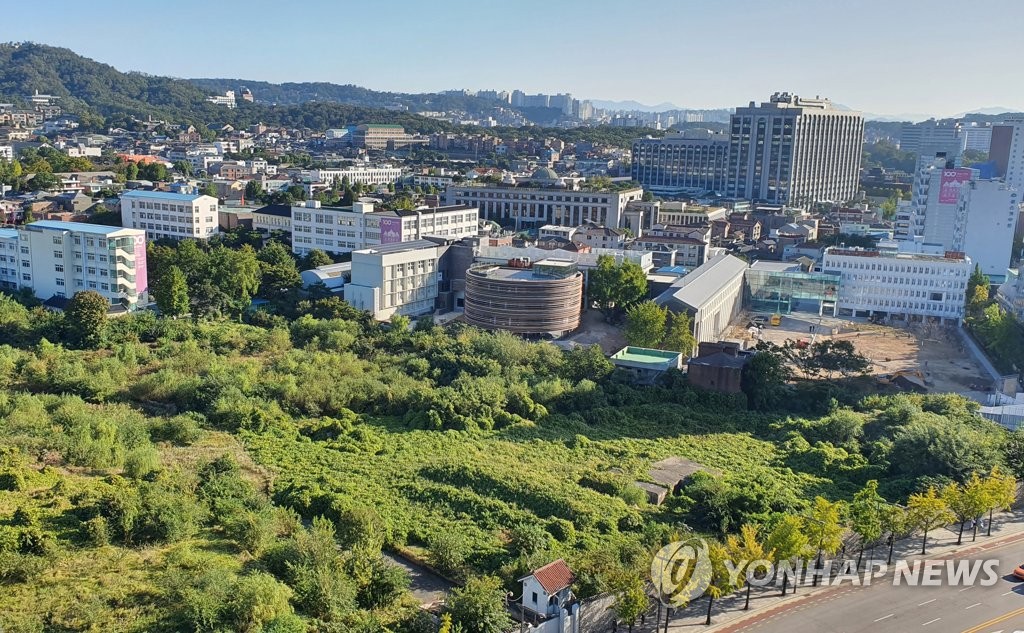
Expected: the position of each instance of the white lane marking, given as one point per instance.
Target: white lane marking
(1008, 593)
(931, 621)
(927, 602)
(976, 604)
(885, 617)
(966, 588)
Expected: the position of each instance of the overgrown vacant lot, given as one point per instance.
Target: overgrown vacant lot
(174, 477)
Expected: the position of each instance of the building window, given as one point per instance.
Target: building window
(58, 268)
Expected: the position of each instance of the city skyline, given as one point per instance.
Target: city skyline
(885, 70)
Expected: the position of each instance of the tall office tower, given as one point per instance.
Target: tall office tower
(931, 137)
(692, 162)
(796, 151)
(1007, 151)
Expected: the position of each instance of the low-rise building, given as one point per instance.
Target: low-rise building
(56, 259)
(174, 216)
(399, 278)
(379, 175)
(543, 299)
(273, 218)
(712, 294)
(903, 286)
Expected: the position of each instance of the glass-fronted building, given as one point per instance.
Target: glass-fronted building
(787, 291)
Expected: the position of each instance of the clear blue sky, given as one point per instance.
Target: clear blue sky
(879, 56)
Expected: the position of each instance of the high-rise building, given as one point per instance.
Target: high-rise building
(792, 150)
(931, 137)
(55, 260)
(691, 162)
(1007, 151)
(976, 137)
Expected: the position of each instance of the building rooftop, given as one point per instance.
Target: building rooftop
(57, 225)
(554, 576)
(397, 247)
(161, 195)
(655, 358)
(9, 234)
(703, 283)
(280, 210)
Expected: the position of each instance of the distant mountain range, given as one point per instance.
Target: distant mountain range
(633, 105)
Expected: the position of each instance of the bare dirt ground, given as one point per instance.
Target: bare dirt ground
(595, 329)
(933, 350)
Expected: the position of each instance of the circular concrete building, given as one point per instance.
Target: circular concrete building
(545, 299)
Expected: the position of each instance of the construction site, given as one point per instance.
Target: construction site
(918, 357)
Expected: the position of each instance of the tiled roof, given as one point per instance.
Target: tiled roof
(554, 576)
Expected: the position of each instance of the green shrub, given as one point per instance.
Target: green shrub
(97, 532)
(140, 462)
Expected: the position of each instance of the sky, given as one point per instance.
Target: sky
(886, 57)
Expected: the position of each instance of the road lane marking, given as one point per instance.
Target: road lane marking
(927, 602)
(1009, 592)
(966, 588)
(885, 617)
(931, 621)
(996, 620)
(973, 605)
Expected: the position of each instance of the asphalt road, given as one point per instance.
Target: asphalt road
(884, 608)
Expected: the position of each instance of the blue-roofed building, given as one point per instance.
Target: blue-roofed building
(175, 216)
(57, 259)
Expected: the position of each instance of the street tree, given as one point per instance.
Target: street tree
(1000, 492)
(787, 540)
(824, 529)
(928, 511)
(866, 516)
(630, 602)
(721, 582)
(747, 547)
(896, 523)
(966, 502)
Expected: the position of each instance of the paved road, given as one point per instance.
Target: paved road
(883, 608)
(425, 586)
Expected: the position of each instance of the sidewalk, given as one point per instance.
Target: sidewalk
(728, 610)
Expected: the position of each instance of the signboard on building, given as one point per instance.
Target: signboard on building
(141, 269)
(950, 183)
(390, 230)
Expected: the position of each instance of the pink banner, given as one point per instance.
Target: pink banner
(950, 183)
(141, 269)
(390, 230)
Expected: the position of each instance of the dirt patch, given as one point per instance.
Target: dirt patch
(935, 351)
(595, 330)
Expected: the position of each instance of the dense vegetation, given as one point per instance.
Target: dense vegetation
(481, 453)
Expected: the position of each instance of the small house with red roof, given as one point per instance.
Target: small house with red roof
(548, 590)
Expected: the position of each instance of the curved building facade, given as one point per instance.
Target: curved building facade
(544, 299)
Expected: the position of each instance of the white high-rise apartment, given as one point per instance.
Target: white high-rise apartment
(176, 216)
(796, 151)
(906, 286)
(58, 259)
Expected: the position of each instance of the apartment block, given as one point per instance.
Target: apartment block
(167, 215)
(55, 260)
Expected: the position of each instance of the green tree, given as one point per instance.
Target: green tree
(679, 337)
(977, 292)
(631, 601)
(721, 582)
(866, 516)
(43, 181)
(171, 293)
(236, 274)
(86, 318)
(184, 168)
(786, 541)
(896, 523)
(616, 287)
(258, 599)
(253, 190)
(386, 583)
(279, 271)
(764, 378)
(824, 528)
(209, 189)
(448, 551)
(479, 606)
(645, 324)
(1000, 492)
(747, 547)
(928, 511)
(316, 258)
(966, 502)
